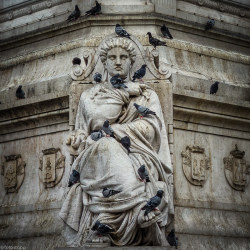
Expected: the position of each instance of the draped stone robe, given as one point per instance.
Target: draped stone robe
(106, 163)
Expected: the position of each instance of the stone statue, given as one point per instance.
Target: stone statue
(106, 163)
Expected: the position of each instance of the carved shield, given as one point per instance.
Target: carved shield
(52, 167)
(195, 165)
(236, 169)
(49, 168)
(198, 167)
(10, 174)
(13, 173)
(239, 172)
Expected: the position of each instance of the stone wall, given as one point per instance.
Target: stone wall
(37, 46)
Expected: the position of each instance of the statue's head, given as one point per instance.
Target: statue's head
(118, 55)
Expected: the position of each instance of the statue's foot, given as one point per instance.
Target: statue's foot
(96, 238)
(148, 220)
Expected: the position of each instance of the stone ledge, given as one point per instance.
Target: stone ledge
(116, 248)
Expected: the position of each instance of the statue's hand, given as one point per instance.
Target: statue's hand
(76, 139)
(134, 89)
(151, 218)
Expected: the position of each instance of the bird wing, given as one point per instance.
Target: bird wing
(154, 201)
(142, 109)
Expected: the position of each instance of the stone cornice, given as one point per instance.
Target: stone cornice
(94, 41)
(224, 6)
(27, 9)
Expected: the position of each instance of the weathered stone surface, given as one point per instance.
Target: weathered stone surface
(37, 47)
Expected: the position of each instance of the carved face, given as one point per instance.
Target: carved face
(118, 62)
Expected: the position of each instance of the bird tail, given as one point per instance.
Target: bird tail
(147, 179)
(115, 192)
(128, 150)
(151, 113)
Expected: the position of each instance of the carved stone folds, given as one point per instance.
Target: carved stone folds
(52, 165)
(195, 165)
(236, 169)
(13, 173)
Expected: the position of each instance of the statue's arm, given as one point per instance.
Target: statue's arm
(77, 137)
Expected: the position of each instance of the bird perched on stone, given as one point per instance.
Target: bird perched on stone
(172, 239)
(154, 41)
(20, 94)
(95, 10)
(76, 61)
(126, 143)
(120, 31)
(143, 173)
(214, 88)
(75, 14)
(96, 135)
(165, 32)
(97, 77)
(107, 129)
(107, 192)
(144, 111)
(102, 229)
(117, 82)
(153, 203)
(210, 24)
(140, 73)
(74, 178)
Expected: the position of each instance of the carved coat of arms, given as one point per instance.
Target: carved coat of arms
(52, 167)
(13, 173)
(195, 165)
(236, 169)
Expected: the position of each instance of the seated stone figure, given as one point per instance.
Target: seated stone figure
(106, 163)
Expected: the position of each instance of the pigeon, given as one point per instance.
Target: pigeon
(214, 88)
(125, 141)
(109, 192)
(165, 32)
(172, 239)
(120, 31)
(97, 77)
(20, 93)
(95, 10)
(143, 173)
(107, 129)
(154, 41)
(153, 203)
(140, 73)
(210, 24)
(96, 135)
(102, 229)
(76, 60)
(117, 82)
(143, 110)
(74, 178)
(75, 14)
